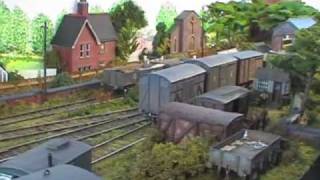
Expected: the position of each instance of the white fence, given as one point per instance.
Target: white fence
(3, 75)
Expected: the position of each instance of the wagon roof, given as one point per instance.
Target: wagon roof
(245, 147)
(62, 172)
(215, 60)
(226, 94)
(247, 54)
(199, 114)
(62, 151)
(302, 22)
(272, 75)
(179, 72)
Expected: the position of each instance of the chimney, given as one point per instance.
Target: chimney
(83, 7)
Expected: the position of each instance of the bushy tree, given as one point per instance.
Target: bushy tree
(63, 79)
(127, 18)
(38, 32)
(303, 59)
(4, 28)
(167, 15)
(160, 42)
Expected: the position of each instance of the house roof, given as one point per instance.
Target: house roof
(179, 72)
(199, 114)
(226, 94)
(71, 25)
(302, 22)
(213, 61)
(61, 172)
(62, 150)
(246, 54)
(185, 14)
(272, 75)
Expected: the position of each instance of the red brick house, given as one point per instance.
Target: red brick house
(187, 33)
(85, 41)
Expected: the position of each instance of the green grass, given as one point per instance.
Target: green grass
(14, 62)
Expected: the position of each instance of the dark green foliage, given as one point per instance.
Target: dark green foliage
(53, 60)
(167, 15)
(37, 32)
(127, 18)
(160, 42)
(63, 79)
(14, 77)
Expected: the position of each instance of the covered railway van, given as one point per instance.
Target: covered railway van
(221, 70)
(248, 64)
(61, 172)
(180, 120)
(227, 98)
(54, 152)
(247, 153)
(179, 83)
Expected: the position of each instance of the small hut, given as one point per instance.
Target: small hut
(179, 120)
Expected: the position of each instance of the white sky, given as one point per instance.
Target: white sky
(53, 7)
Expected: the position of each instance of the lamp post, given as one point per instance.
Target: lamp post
(45, 28)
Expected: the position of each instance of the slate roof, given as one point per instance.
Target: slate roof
(226, 94)
(246, 54)
(71, 25)
(199, 114)
(62, 172)
(185, 14)
(179, 72)
(62, 150)
(269, 74)
(213, 61)
(302, 22)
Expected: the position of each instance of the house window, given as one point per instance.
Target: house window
(102, 49)
(263, 85)
(287, 41)
(85, 50)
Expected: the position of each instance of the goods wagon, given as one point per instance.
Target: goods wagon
(52, 153)
(60, 172)
(120, 78)
(178, 83)
(246, 153)
(227, 98)
(180, 120)
(221, 70)
(248, 64)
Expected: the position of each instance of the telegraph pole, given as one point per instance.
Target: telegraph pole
(45, 28)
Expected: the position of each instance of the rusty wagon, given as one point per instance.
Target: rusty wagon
(247, 153)
(179, 83)
(221, 70)
(227, 98)
(179, 120)
(248, 64)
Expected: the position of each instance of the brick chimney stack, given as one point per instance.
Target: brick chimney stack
(83, 8)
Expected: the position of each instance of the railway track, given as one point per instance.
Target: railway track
(45, 112)
(59, 125)
(131, 120)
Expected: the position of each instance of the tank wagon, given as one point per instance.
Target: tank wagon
(221, 70)
(180, 120)
(54, 152)
(60, 172)
(120, 78)
(227, 98)
(248, 152)
(179, 83)
(248, 64)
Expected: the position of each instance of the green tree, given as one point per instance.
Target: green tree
(59, 19)
(97, 9)
(167, 15)
(303, 58)
(127, 18)
(160, 41)
(38, 34)
(4, 28)
(19, 31)
(63, 79)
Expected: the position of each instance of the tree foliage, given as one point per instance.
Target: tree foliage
(38, 32)
(63, 79)
(127, 18)
(96, 9)
(167, 15)
(160, 42)
(4, 28)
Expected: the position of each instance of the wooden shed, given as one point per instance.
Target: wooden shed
(54, 152)
(221, 70)
(248, 64)
(227, 98)
(179, 120)
(179, 83)
(61, 172)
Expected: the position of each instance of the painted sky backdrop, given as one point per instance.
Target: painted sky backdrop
(53, 7)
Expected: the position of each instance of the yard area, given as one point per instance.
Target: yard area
(13, 62)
